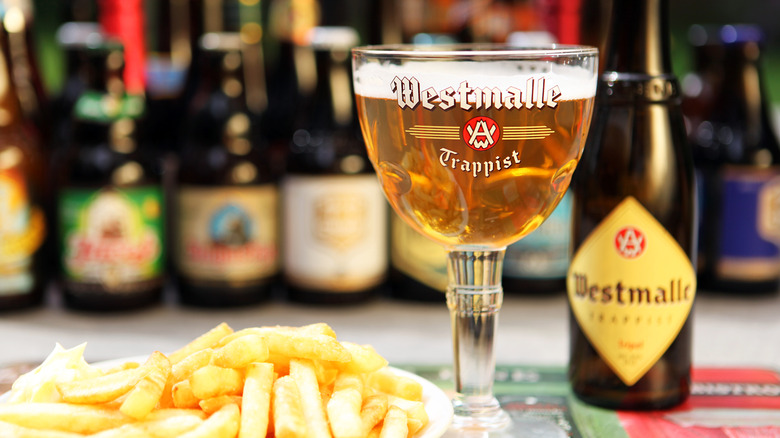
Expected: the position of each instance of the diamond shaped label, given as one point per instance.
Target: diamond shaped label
(631, 288)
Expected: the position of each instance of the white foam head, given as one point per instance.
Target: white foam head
(374, 79)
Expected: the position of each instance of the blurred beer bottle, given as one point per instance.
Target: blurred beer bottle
(737, 157)
(631, 282)
(227, 231)
(110, 201)
(22, 219)
(18, 21)
(170, 39)
(418, 265)
(73, 38)
(335, 215)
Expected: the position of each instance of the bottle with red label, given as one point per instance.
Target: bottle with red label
(110, 214)
(335, 215)
(22, 219)
(631, 282)
(737, 158)
(226, 249)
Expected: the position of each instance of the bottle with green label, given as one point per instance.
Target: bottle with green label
(226, 249)
(110, 216)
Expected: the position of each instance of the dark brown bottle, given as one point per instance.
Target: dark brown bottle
(334, 213)
(22, 220)
(109, 196)
(227, 231)
(632, 282)
(737, 156)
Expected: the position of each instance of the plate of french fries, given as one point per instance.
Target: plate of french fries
(250, 383)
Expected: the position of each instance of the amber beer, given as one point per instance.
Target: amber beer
(473, 161)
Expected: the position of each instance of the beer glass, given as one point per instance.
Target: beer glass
(474, 146)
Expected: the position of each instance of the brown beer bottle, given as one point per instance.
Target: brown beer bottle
(631, 282)
(226, 228)
(334, 214)
(109, 196)
(737, 156)
(22, 219)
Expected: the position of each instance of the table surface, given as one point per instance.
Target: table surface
(729, 330)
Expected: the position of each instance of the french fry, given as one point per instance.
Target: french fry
(212, 381)
(241, 351)
(305, 377)
(390, 383)
(364, 359)
(183, 397)
(373, 411)
(415, 410)
(256, 401)
(100, 389)
(65, 417)
(172, 427)
(395, 424)
(302, 346)
(289, 421)
(15, 431)
(206, 340)
(222, 424)
(146, 395)
(184, 368)
(344, 407)
(125, 431)
(211, 405)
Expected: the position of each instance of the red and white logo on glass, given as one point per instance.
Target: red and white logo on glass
(630, 242)
(481, 133)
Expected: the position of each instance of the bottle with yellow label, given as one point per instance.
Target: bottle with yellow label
(631, 283)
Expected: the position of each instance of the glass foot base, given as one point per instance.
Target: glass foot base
(482, 417)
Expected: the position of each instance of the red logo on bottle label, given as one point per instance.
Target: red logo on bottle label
(481, 133)
(630, 242)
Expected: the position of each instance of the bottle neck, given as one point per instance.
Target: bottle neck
(10, 110)
(638, 40)
(743, 91)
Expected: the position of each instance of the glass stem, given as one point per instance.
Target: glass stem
(474, 297)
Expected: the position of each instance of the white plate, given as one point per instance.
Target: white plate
(437, 404)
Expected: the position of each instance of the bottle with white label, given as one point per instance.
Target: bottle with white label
(226, 249)
(631, 283)
(334, 214)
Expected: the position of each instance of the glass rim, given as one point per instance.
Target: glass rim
(474, 51)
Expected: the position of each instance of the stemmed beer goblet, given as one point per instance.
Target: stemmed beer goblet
(474, 146)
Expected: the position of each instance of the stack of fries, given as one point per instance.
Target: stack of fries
(256, 382)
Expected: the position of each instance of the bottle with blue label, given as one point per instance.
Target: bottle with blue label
(738, 165)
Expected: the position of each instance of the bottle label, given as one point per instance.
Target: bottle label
(228, 233)
(750, 224)
(103, 108)
(417, 256)
(112, 237)
(631, 287)
(544, 253)
(22, 227)
(335, 234)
